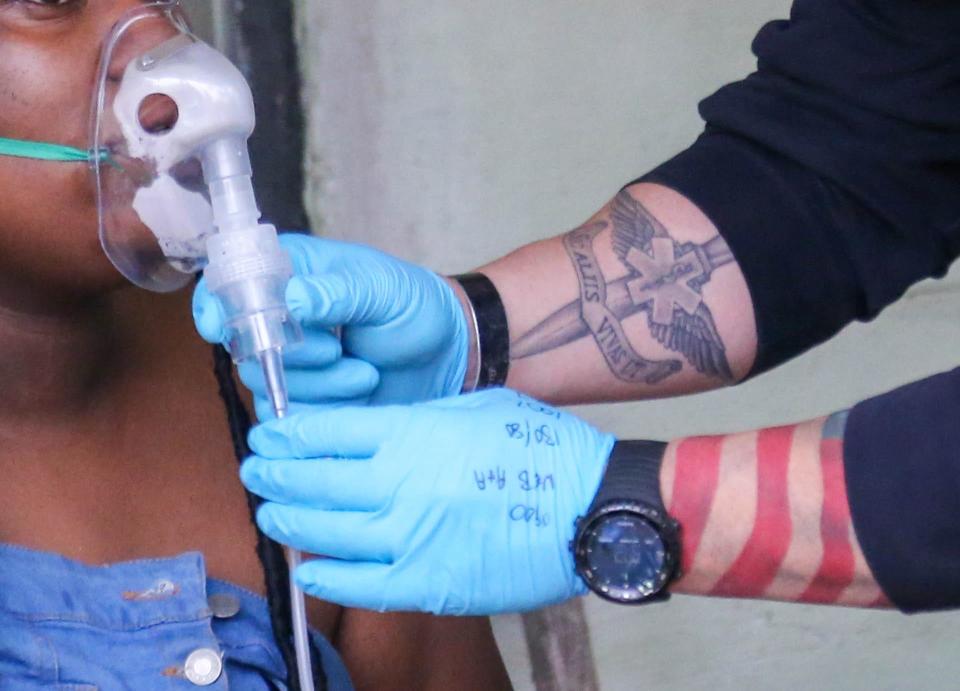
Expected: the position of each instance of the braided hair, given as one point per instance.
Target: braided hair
(275, 572)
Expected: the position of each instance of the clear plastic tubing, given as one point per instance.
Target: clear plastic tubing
(271, 362)
(248, 272)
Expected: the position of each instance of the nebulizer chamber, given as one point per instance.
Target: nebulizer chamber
(171, 120)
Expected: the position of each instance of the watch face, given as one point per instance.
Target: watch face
(625, 557)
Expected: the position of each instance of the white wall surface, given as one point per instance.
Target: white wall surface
(449, 132)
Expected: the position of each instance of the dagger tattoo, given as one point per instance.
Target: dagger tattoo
(665, 281)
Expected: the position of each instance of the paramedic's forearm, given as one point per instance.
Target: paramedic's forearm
(765, 515)
(644, 300)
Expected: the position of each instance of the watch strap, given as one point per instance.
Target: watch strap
(632, 474)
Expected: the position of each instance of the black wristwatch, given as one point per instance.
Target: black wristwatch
(627, 548)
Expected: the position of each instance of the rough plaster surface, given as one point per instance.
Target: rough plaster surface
(451, 132)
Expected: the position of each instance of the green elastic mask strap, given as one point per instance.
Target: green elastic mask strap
(43, 151)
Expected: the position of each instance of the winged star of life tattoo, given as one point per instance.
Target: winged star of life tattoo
(665, 281)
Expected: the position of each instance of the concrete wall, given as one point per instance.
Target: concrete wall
(449, 132)
(210, 20)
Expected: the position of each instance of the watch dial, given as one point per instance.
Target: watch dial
(626, 555)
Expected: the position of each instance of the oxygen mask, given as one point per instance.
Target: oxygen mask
(163, 98)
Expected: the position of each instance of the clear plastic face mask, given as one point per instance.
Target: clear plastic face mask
(161, 95)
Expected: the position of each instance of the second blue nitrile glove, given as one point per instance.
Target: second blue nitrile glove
(464, 505)
(404, 333)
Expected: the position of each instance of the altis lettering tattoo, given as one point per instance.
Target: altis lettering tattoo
(665, 281)
(765, 515)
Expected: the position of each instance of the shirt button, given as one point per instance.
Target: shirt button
(223, 605)
(203, 667)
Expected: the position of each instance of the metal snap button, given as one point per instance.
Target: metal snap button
(223, 605)
(203, 667)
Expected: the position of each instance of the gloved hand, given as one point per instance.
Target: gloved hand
(404, 332)
(464, 505)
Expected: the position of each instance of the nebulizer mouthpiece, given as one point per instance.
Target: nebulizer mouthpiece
(172, 117)
(246, 269)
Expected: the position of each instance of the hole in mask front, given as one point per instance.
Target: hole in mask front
(158, 114)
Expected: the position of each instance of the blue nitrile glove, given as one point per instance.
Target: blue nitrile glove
(404, 331)
(464, 505)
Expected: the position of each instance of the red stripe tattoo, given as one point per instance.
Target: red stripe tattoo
(837, 567)
(759, 561)
(694, 485)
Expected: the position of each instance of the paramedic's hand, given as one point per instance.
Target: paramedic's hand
(460, 506)
(404, 331)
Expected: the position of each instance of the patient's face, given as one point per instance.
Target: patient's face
(49, 53)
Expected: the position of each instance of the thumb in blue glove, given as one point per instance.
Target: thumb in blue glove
(404, 332)
(460, 506)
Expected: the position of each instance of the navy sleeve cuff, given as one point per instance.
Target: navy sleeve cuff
(777, 217)
(902, 469)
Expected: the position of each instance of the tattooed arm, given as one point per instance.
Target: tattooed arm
(834, 185)
(765, 515)
(643, 300)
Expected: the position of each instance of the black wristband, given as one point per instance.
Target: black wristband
(492, 332)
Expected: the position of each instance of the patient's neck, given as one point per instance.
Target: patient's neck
(61, 362)
(51, 362)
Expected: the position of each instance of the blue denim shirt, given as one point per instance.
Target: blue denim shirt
(134, 625)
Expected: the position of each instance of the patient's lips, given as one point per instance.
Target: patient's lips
(158, 114)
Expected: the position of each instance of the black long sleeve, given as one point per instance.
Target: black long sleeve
(901, 456)
(833, 171)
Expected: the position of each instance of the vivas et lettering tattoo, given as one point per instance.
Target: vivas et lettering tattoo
(665, 281)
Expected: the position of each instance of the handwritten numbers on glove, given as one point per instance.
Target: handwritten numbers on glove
(436, 507)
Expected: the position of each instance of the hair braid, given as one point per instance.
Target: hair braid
(275, 572)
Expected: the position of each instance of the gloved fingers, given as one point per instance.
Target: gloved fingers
(336, 432)
(345, 379)
(361, 297)
(352, 535)
(323, 483)
(337, 283)
(362, 585)
(311, 254)
(318, 349)
(208, 314)
(323, 300)
(336, 296)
